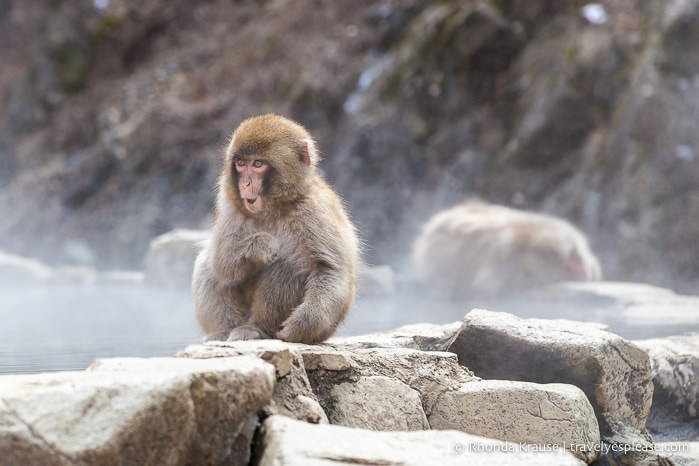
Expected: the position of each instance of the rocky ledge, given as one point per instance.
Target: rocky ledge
(493, 389)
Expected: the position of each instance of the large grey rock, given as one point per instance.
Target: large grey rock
(429, 373)
(614, 373)
(540, 414)
(135, 411)
(292, 395)
(675, 365)
(170, 257)
(284, 441)
(377, 403)
(377, 377)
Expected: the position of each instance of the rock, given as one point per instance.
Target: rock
(377, 403)
(18, 269)
(615, 293)
(614, 373)
(287, 442)
(540, 414)
(74, 275)
(275, 352)
(378, 280)
(292, 395)
(135, 411)
(77, 253)
(675, 365)
(360, 387)
(170, 257)
(120, 277)
(679, 38)
(429, 373)
(326, 360)
(644, 309)
(425, 337)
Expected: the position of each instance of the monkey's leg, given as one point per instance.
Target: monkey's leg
(216, 307)
(326, 302)
(279, 290)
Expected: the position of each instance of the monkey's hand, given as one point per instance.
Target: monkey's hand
(235, 261)
(305, 325)
(262, 249)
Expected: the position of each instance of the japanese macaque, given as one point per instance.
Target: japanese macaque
(477, 249)
(283, 257)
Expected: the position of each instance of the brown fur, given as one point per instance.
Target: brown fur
(289, 271)
(480, 249)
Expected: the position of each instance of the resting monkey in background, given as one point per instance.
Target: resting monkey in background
(283, 257)
(477, 249)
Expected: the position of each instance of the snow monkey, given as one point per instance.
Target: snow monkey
(477, 249)
(283, 257)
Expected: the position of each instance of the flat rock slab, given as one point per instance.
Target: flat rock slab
(635, 305)
(540, 414)
(284, 441)
(614, 373)
(135, 411)
(293, 395)
(426, 337)
(275, 352)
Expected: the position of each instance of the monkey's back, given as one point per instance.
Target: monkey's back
(480, 249)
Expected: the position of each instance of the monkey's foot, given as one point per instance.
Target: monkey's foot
(217, 336)
(246, 332)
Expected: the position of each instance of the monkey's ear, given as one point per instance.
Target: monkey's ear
(308, 151)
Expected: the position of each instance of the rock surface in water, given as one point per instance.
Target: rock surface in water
(170, 257)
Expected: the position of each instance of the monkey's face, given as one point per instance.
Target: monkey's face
(251, 174)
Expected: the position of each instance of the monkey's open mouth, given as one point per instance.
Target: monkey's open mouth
(254, 204)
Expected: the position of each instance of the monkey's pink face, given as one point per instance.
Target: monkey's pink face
(574, 269)
(250, 181)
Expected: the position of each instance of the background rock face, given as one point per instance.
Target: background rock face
(114, 118)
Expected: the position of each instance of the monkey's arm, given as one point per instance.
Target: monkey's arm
(235, 259)
(327, 300)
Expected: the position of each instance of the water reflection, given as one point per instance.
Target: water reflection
(66, 327)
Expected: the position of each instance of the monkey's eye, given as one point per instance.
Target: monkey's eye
(258, 163)
(240, 162)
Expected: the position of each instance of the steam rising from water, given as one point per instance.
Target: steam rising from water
(67, 327)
